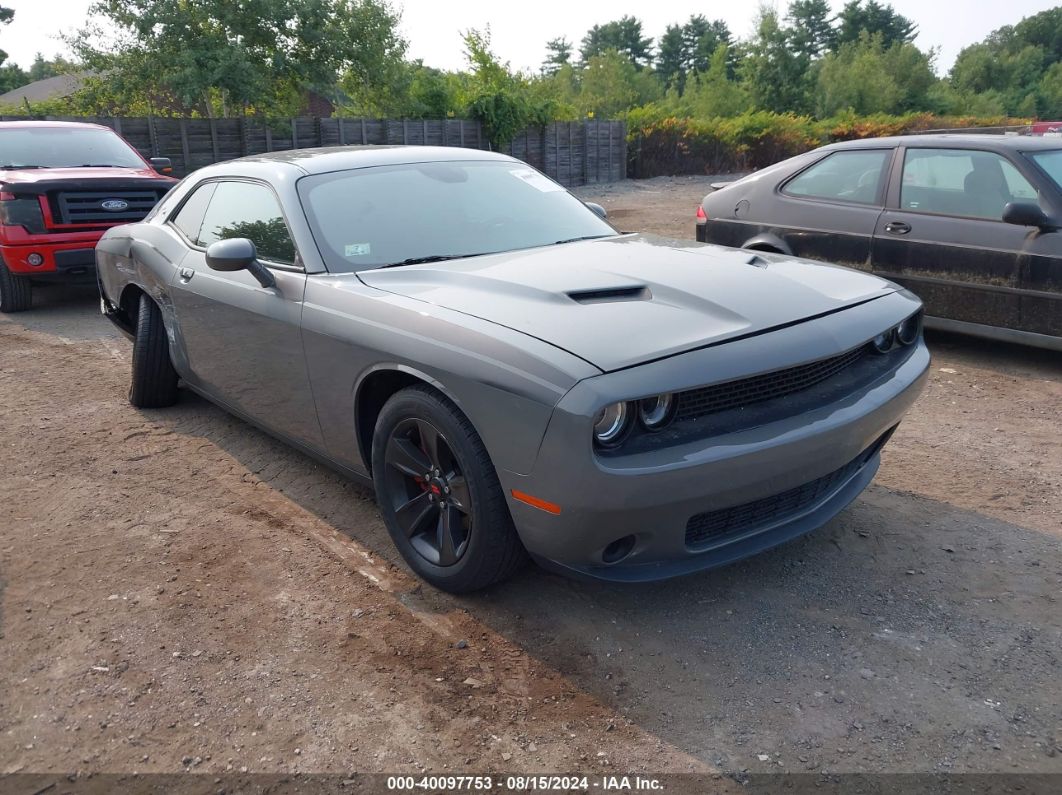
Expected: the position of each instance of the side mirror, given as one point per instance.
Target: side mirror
(163, 165)
(238, 254)
(597, 208)
(1028, 214)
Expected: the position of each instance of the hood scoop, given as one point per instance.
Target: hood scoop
(608, 295)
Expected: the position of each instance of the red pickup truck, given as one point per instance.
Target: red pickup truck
(62, 185)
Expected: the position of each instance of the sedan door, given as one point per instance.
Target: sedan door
(826, 211)
(943, 237)
(242, 342)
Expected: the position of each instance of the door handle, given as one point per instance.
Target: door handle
(897, 228)
(187, 274)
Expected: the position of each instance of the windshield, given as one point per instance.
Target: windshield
(1051, 162)
(393, 215)
(64, 147)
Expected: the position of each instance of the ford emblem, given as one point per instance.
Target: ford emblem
(114, 205)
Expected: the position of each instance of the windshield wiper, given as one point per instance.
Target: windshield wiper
(100, 165)
(577, 239)
(16, 165)
(431, 258)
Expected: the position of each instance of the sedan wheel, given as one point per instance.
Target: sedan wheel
(439, 494)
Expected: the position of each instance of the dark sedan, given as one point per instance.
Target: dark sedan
(968, 222)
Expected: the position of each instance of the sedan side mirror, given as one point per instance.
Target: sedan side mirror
(1028, 214)
(597, 208)
(163, 165)
(238, 254)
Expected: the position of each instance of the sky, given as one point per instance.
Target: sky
(433, 27)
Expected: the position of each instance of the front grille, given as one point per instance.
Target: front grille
(713, 527)
(699, 402)
(86, 207)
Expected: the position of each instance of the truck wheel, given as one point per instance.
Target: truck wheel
(440, 496)
(154, 382)
(15, 291)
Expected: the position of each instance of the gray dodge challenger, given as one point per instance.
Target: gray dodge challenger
(512, 375)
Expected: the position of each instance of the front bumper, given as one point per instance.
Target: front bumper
(772, 482)
(73, 260)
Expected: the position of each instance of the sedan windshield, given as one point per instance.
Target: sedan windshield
(64, 147)
(387, 216)
(1051, 162)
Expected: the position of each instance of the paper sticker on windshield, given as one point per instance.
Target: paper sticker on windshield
(536, 180)
(356, 249)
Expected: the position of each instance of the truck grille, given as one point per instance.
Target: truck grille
(87, 207)
(699, 402)
(714, 527)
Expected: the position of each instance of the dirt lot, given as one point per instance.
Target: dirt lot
(180, 592)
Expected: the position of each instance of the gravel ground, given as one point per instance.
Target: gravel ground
(178, 591)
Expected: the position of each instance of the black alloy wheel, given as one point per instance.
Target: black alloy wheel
(439, 493)
(428, 492)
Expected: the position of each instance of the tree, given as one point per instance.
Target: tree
(671, 59)
(218, 57)
(701, 39)
(687, 49)
(611, 84)
(859, 16)
(1012, 65)
(624, 36)
(42, 69)
(811, 22)
(774, 75)
(558, 54)
(11, 75)
(866, 77)
(712, 92)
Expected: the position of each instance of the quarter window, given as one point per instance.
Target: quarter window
(246, 209)
(843, 176)
(190, 217)
(961, 182)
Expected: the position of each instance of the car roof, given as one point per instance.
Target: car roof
(27, 123)
(1001, 143)
(326, 159)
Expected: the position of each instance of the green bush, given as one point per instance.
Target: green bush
(662, 143)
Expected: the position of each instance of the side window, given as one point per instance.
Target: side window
(961, 182)
(244, 209)
(843, 176)
(190, 217)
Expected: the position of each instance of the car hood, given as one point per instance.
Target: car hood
(31, 175)
(621, 301)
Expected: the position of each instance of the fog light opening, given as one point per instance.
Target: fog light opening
(618, 549)
(35, 259)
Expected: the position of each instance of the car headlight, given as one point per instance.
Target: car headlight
(611, 424)
(908, 331)
(657, 411)
(883, 342)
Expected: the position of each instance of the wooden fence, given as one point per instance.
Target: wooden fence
(572, 153)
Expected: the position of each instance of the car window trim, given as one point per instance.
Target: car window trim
(295, 267)
(896, 191)
(879, 197)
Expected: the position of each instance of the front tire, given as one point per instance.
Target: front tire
(439, 494)
(16, 293)
(154, 382)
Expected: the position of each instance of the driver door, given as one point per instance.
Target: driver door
(942, 235)
(242, 341)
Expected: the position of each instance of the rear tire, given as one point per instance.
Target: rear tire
(154, 382)
(454, 529)
(16, 293)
